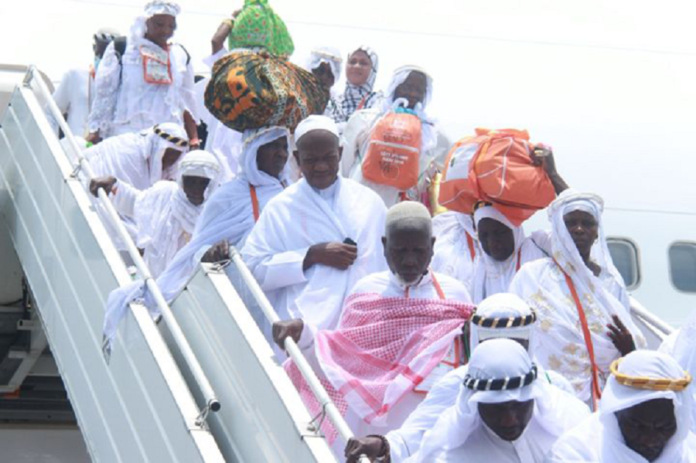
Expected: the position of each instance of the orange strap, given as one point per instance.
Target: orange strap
(254, 202)
(361, 105)
(470, 242)
(596, 391)
(438, 288)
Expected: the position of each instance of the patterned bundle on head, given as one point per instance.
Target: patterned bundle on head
(257, 26)
(250, 91)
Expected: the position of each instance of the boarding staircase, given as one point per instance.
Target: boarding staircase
(201, 384)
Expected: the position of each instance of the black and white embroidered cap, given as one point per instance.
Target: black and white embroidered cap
(501, 384)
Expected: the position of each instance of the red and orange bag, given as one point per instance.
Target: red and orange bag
(496, 166)
(393, 151)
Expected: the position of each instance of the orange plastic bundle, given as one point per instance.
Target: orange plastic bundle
(496, 166)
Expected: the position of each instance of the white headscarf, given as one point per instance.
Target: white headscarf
(429, 132)
(564, 249)
(328, 55)
(644, 363)
(490, 275)
(162, 212)
(494, 359)
(362, 96)
(139, 27)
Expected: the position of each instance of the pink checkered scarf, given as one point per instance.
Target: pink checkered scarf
(383, 348)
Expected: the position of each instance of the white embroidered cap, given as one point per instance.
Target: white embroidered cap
(316, 122)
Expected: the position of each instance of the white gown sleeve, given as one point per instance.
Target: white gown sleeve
(107, 83)
(188, 94)
(406, 441)
(125, 198)
(62, 98)
(281, 270)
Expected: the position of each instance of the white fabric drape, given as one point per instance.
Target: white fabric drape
(599, 439)
(300, 218)
(452, 255)
(542, 284)
(459, 431)
(491, 276)
(136, 158)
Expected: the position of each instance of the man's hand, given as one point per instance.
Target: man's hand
(543, 156)
(621, 337)
(368, 446)
(107, 183)
(290, 328)
(336, 255)
(93, 138)
(218, 253)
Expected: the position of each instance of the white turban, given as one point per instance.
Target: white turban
(200, 163)
(652, 364)
(398, 78)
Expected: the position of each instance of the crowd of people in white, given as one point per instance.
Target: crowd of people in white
(440, 336)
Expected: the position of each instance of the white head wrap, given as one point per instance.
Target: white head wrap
(429, 133)
(157, 147)
(253, 140)
(200, 163)
(494, 359)
(400, 75)
(316, 122)
(407, 211)
(502, 305)
(643, 363)
(328, 55)
(374, 59)
(490, 275)
(151, 9)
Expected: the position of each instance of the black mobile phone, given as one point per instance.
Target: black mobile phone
(349, 241)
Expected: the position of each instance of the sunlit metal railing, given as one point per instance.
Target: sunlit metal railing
(80, 163)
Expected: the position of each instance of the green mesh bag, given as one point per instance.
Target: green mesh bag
(258, 26)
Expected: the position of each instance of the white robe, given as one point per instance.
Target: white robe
(135, 158)
(484, 445)
(299, 218)
(73, 96)
(406, 440)
(164, 219)
(452, 254)
(124, 102)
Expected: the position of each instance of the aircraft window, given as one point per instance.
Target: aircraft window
(682, 266)
(624, 253)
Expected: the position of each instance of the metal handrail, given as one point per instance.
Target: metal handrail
(212, 403)
(294, 352)
(638, 309)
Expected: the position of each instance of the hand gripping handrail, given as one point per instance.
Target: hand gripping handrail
(212, 403)
(294, 352)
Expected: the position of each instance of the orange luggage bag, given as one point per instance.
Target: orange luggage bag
(499, 170)
(393, 151)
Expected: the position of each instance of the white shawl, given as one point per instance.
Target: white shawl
(500, 358)
(136, 158)
(542, 284)
(493, 277)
